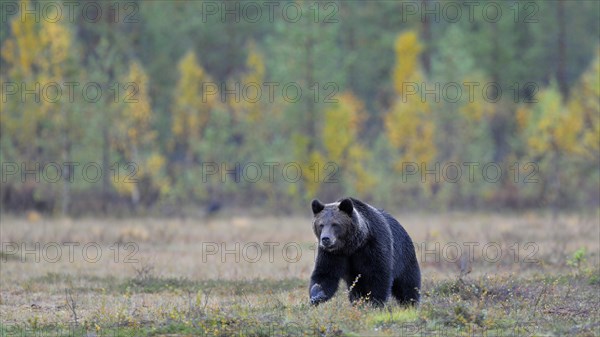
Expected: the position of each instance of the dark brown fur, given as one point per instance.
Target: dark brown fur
(367, 248)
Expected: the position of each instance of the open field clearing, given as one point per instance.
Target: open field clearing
(158, 158)
(483, 275)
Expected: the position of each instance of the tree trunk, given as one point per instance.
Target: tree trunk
(555, 182)
(135, 192)
(105, 168)
(309, 77)
(561, 71)
(426, 27)
(66, 155)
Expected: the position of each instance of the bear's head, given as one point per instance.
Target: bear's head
(338, 226)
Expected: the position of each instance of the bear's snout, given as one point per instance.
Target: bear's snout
(326, 241)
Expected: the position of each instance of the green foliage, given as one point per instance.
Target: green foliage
(577, 259)
(352, 64)
(578, 262)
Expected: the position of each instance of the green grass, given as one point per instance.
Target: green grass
(540, 305)
(177, 295)
(392, 316)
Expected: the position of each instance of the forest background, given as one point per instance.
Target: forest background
(158, 107)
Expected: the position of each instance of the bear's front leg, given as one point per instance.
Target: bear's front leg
(322, 288)
(325, 278)
(317, 294)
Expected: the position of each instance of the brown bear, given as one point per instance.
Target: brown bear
(368, 249)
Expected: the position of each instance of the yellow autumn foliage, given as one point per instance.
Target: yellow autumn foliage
(252, 88)
(521, 116)
(543, 119)
(585, 103)
(123, 186)
(571, 127)
(477, 110)
(314, 172)
(341, 125)
(360, 178)
(57, 41)
(137, 112)
(36, 55)
(135, 137)
(24, 48)
(408, 125)
(342, 150)
(156, 164)
(43, 45)
(192, 106)
(407, 48)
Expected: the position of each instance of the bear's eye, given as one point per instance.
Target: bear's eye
(321, 226)
(334, 225)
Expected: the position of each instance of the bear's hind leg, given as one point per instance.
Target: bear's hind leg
(405, 293)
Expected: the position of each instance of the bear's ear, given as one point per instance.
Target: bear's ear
(346, 206)
(317, 206)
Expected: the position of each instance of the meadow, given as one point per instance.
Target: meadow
(484, 274)
(245, 111)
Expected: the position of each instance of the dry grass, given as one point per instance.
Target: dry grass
(527, 275)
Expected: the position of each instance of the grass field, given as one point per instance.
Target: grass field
(483, 275)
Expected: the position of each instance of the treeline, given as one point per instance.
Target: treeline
(182, 107)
